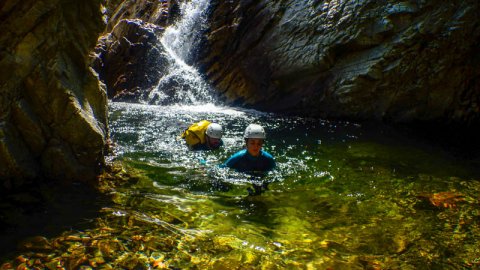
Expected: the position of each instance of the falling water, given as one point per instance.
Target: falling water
(182, 84)
(183, 37)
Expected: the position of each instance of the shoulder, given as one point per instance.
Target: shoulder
(239, 154)
(235, 157)
(267, 155)
(270, 160)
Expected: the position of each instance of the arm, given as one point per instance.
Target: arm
(271, 164)
(232, 161)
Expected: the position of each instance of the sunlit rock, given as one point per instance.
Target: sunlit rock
(53, 108)
(229, 261)
(161, 13)
(226, 243)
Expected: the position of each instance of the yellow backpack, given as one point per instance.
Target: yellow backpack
(195, 133)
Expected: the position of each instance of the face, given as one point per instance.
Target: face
(254, 146)
(212, 142)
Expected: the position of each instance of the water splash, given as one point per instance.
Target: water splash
(183, 84)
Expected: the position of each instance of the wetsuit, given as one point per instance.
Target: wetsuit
(203, 146)
(242, 161)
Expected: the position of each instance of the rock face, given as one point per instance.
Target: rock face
(397, 61)
(158, 12)
(130, 60)
(53, 112)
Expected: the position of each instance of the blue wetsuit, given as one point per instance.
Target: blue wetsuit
(242, 161)
(204, 147)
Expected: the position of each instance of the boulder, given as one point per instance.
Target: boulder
(130, 59)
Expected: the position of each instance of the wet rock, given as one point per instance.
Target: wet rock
(392, 61)
(130, 59)
(226, 243)
(53, 109)
(37, 243)
(161, 13)
(229, 261)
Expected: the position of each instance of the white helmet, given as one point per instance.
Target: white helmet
(254, 131)
(214, 131)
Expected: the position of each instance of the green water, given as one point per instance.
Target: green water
(343, 196)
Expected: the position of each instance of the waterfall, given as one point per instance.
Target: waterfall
(183, 37)
(182, 83)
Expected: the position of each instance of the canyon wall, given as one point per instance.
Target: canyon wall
(53, 112)
(393, 61)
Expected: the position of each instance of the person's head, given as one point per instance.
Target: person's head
(213, 134)
(254, 138)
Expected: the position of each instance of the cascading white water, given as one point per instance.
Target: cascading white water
(182, 38)
(182, 84)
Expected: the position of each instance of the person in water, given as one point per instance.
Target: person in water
(203, 135)
(253, 160)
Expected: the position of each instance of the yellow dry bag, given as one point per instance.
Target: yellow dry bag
(195, 133)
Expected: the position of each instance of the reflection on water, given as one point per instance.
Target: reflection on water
(343, 196)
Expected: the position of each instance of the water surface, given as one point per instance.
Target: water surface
(343, 195)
